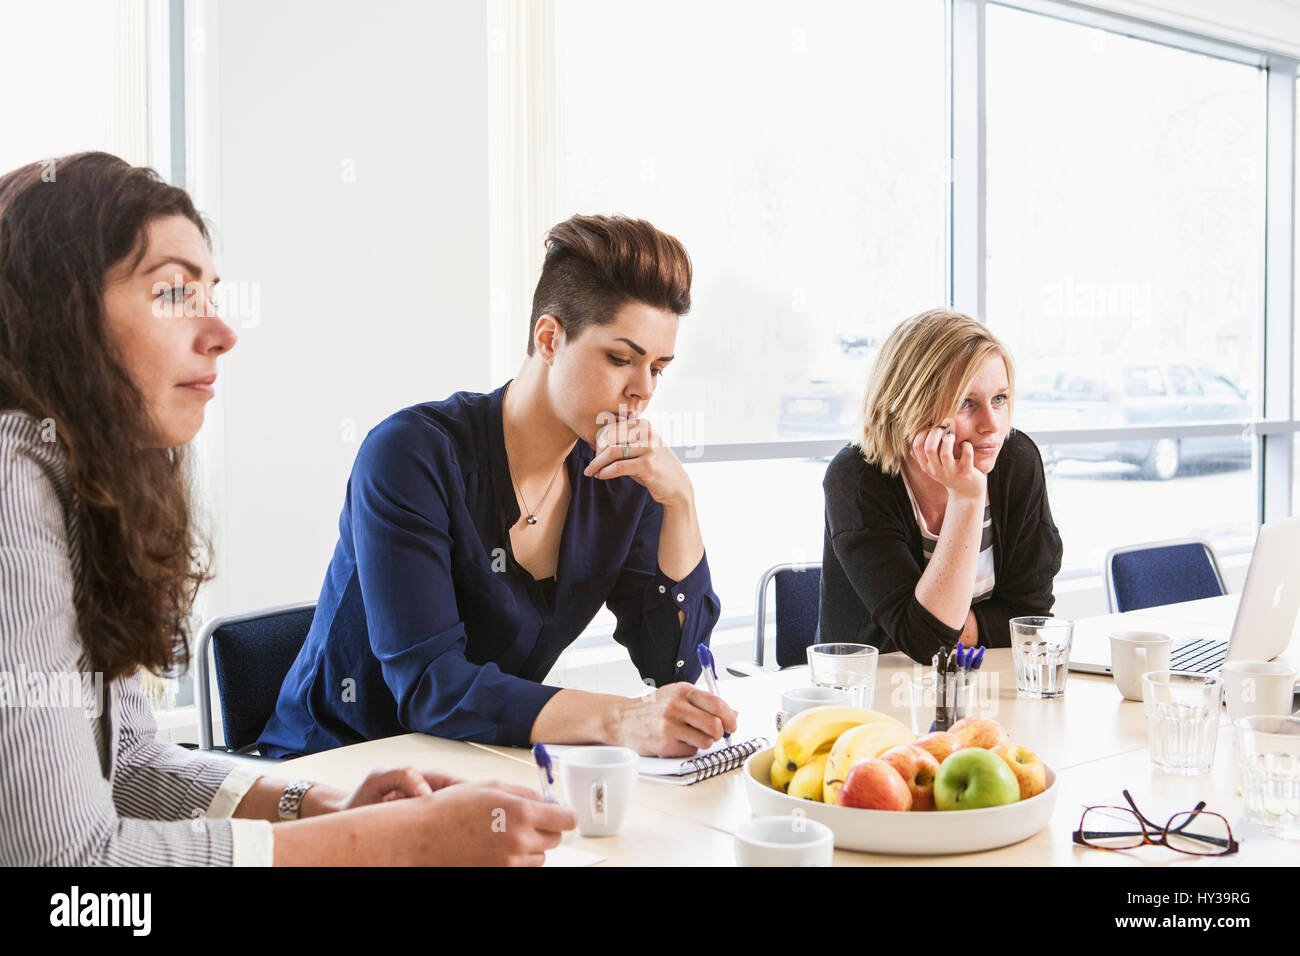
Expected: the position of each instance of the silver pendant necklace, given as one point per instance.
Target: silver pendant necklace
(530, 513)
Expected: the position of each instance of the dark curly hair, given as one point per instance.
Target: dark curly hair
(64, 224)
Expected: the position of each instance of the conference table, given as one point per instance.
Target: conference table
(1093, 739)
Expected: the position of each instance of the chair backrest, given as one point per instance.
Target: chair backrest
(1161, 572)
(252, 653)
(797, 589)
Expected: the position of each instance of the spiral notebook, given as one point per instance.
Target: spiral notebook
(685, 770)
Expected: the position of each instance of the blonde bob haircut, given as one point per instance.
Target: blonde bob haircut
(921, 375)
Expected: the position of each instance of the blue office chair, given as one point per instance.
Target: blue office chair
(1161, 572)
(252, 653)
(798, 601)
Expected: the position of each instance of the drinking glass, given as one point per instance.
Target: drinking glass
(847, 667)
(1040, 650)
(1182, 712)
(1268, 752)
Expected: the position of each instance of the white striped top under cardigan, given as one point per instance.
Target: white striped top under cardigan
(985, 579)
(78, 789)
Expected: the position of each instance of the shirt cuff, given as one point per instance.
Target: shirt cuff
(526, 701)
(252, 843)
(686, 593)
(689, 596)
(232, 790)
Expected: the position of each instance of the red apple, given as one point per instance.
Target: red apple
(980, 732)
(917, 767)
(873, 784)
(939, 744)
(1029, 770)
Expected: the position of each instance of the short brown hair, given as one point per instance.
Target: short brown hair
(596, 264)
(920, 377)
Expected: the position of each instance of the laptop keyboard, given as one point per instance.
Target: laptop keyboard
(1200, 656)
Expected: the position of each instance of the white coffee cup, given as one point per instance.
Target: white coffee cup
(802, 698)
(598, 783)
(1134, 653)
(1258, 688)
(784, 841)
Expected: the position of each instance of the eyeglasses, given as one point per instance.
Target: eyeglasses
(1193, 831)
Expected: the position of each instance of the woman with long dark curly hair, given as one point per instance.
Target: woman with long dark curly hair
(108, 355)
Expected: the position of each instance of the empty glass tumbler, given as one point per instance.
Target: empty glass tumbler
(1040, 650)
(1268, 753)
(847, 667)
(1182, 712)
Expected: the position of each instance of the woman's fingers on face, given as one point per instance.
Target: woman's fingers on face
(603, 457)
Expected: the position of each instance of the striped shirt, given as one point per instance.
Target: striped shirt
(984, 577)
(83, 780)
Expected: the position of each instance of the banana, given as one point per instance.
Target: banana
(813, 731)
(781, 773)
(860, 743)
(807, 781)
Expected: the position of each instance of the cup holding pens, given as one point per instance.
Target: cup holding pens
(923, 698)
(598, 783)
(847, 667)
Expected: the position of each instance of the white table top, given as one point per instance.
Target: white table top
(1093, 738)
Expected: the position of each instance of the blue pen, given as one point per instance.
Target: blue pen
(979, 659)
(710, 676)
(544, 772)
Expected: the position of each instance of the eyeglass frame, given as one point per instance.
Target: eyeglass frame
(1163, 839)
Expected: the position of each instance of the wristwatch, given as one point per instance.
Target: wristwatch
(291, 800)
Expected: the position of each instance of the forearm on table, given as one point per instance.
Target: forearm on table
(577, 717)
(945, 586)
(377, 835)
(262, 802)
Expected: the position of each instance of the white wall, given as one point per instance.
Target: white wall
(344, 157)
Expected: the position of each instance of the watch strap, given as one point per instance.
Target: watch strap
(291, 800)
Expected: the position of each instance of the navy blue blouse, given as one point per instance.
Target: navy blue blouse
(425, 621)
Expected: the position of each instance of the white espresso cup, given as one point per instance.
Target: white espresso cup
(802, 698)
(784, 841)
(598, 783)
(1132, 654)
(1258, 688)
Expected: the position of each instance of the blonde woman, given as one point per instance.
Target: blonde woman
(938, 528)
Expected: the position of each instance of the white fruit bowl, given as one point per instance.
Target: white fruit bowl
(932, 833)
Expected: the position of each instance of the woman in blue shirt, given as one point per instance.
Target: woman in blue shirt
(481, 534)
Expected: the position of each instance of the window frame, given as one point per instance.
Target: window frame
(530, 38)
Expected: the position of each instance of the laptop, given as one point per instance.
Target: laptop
(1265, 620)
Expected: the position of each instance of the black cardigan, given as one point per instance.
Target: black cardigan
(871, 556)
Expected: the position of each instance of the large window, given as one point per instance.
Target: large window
(827, 169)
(799, 154)
(1125, 272)
(812, 203)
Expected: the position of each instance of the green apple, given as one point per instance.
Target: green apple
(973, 778)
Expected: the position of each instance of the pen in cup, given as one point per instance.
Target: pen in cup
(544, 773)
(710, 676)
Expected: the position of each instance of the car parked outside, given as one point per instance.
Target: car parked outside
(824, 401)
(1071, 393)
